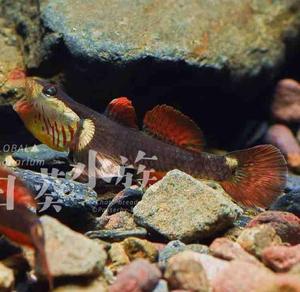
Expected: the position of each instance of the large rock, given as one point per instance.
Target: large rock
(181, 207)
(70, 253)
(196, 32)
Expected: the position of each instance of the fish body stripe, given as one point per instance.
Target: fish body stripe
(64, 135)
(57, 134)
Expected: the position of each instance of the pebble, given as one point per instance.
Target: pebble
(116, 234)
(138, 276)
(186, 273)
(287, 225)
(176, 246)
(228, 250)
(254, 240)
(284, 139)
(281, 258)
(286, 104)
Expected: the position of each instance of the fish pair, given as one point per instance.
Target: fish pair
(253, 177)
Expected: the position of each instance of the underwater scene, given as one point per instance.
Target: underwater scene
(150, 145)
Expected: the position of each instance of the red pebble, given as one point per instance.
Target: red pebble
(287, 225)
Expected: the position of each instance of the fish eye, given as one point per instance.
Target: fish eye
(50, 90)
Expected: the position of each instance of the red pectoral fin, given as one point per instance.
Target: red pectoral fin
(121, 110)
(170, 125)
(12, 185)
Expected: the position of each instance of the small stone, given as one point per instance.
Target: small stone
(116, 234)
(7, 278)
(125, 201)
(283, 138)
(69, 253)
(228, 250)
(281, 258)
(186, 273)
(122, 220)
(138, 276)
(117, 257)
(181, 207)
(136, 248)
(242, 277)
(292, 183)
(286, 224)
(286, 104)
(233, 233)
(289, 202)
(162, 286)
(176, 246)
(212, 265)
(254, 240)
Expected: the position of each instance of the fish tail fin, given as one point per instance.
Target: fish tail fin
(258, 175)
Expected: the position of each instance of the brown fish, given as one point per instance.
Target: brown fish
(20, 224)
(254, 176)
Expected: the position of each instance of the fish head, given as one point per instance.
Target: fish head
(46, 115)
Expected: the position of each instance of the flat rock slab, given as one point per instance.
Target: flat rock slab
(242, 36)
(181, 207)
(59, 193)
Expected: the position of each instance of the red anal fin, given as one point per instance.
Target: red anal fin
(121, 110)
(170, 125)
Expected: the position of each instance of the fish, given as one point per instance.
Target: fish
(20, 224)
(252, 177)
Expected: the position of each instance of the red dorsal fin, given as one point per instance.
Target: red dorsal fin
(168, 124)
(121, 110)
